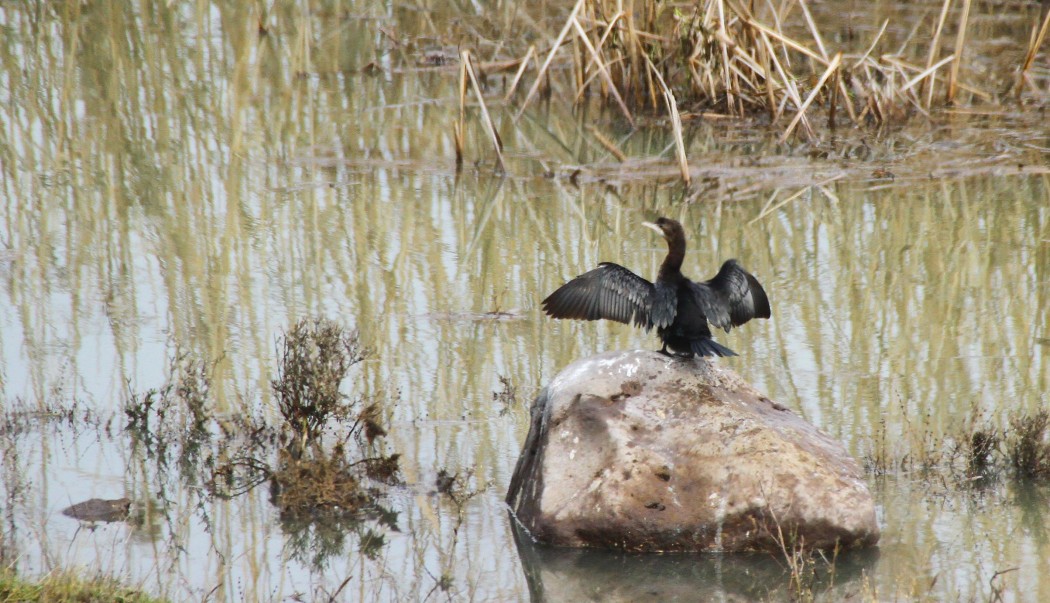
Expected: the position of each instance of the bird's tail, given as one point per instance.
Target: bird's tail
(709, 347)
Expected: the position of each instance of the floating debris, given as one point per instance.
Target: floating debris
(514, 314)
(99, 510)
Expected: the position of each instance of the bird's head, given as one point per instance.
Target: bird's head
(667, 227)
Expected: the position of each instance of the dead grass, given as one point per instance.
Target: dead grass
(976, 450)
(668, 64)
(323, 485)
(811, 571)
(738, 59)
(721, 58)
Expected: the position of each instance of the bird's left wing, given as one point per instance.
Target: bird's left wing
(610, 291)
(733, 297)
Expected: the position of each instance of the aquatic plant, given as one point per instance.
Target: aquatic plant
(975, 451)
(1027, 445)
(507, 397)
(315, 356)
(322, 493)
(981, 445)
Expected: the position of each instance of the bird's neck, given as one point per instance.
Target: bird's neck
(672, 266)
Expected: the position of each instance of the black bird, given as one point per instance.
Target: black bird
(679, 308)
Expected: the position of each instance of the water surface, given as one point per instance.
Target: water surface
(179, 183)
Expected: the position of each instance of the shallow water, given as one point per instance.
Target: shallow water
(177, 185)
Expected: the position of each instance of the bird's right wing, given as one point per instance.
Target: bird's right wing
(610, 291)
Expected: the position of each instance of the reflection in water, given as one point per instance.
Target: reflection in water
(177, 181)
(558, 574)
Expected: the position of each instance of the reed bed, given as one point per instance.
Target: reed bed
(669, 64)
(736, 59)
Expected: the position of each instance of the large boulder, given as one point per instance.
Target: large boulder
(642, 452)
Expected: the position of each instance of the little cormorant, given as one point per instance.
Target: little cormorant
(679, 308)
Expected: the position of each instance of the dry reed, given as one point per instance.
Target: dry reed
(1038, 36)
(676, 124)
(486, 119)
(722, 55)
(729, 59)
(960, 40)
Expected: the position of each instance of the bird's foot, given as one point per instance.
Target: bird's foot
(679, 355)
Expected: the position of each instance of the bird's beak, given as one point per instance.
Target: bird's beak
(654, 227)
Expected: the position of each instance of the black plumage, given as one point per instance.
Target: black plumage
(679, 308)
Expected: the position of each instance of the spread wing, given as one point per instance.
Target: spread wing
(609, 291)
(733, 297)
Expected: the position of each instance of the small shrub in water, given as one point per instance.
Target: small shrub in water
(314, 485)
(315, 357)
(982, 444)
(1027, 447)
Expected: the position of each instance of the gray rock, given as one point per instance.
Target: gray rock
(641, 452)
